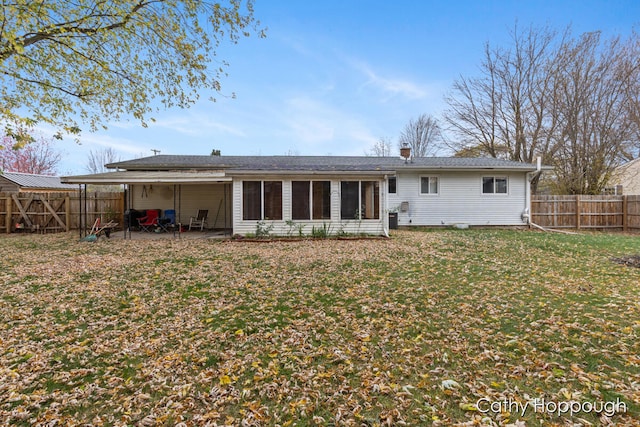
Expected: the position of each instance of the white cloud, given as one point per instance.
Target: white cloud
(391, 86)
(195, 124)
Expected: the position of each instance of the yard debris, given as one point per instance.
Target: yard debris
(315, 332)
(629, 260)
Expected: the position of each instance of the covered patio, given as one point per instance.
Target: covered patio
(184, 193)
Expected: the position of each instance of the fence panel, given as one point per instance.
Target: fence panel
(595, 212)
(56, 212)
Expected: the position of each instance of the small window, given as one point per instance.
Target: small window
(494, 185)
(428, 185)
(392, 185)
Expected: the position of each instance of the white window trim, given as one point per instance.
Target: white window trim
(396, 178)
(360, 181)
(261, 181)
(311, 181)
(420, 185)
(494, 194)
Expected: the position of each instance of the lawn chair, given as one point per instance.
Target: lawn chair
(150, 221)
(199, 220)
(168, 220)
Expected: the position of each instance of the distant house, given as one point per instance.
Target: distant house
(17, 182)
(626, 179)
(336, 193)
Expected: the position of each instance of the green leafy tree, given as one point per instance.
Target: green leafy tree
(65, 63)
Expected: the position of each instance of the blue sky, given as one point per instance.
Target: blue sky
(333, 77)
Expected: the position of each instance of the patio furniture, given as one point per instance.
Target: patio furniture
(168, 220)
(150, 221)
(199, 220)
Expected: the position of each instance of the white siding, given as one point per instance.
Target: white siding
(189, 199)
(460, 199)
(335, 224)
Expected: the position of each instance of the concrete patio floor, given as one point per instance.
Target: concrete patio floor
(189, 235)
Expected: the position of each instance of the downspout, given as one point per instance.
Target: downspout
(385, 204)
(526, 215)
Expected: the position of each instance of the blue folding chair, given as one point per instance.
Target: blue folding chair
(168, 220)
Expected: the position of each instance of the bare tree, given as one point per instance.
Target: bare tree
(572, 102)
(99, 158)
(598, 129)
(502, 113)
(382, 148)
(423, 135)
(39, 157)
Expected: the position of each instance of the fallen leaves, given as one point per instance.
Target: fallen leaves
(412, 330)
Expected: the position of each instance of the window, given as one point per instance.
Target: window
(251, 200)
(321, 199)
(310, 200)
(392, 185)
(300, 208)
(428, 185)
(494, 185)
(272, 200)
(261, 200)
(359, 200)
(349, 199)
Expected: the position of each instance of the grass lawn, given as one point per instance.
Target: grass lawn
(463, 327)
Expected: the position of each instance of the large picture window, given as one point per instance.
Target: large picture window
(360, 200)
(310, 200)
(494, 185)
(262, 200)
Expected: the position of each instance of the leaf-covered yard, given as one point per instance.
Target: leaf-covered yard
(425, 328)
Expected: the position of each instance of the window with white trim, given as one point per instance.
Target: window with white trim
(494, 185)
(429, 185)
(310, 200)
(393, 185)
(261, 200)
(359, 200)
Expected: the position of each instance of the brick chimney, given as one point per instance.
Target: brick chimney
(405, 152)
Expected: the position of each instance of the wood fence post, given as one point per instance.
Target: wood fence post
(9, 214)
(67, 213)
(625, 222)
(578, 212)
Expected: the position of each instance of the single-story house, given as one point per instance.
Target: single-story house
(17, 182)
(626, 179)
(337, 193)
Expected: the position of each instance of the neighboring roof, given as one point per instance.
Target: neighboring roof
(232, 164)
(33, 181)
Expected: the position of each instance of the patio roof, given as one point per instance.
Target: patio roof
(148, 177)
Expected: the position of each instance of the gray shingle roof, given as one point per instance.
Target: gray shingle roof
(314, 163)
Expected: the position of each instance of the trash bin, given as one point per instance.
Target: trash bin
(393, 220)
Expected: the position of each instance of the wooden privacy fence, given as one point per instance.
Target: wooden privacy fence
(580, 212)
(56, 212)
